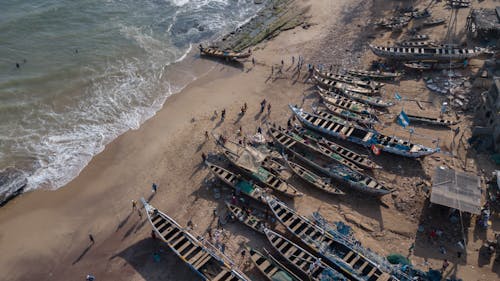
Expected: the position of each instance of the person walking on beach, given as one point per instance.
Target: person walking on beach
(253, 61)
(269, 109)
(293, 60)
(223, 114)
(154, 187)
(206, 135)
(262, 105)
(91, 238)
(272, 70)
(134, 205)
(203, 156)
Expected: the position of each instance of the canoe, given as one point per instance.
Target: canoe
(373, 101)
(380, 75)
(352, 116)
(356, 158)
(305, 262)
(344, 102)
(238, 183)
(270, 267)
(431, 120)
(226, 54)
(459, 3)
(349, 79)
(337, 254)
(362, 136)
(314, 179)
(291, 140)
(414, 43)
(263, 175)
(433, 65)
(247, 219)
(339, 172)
(203, 258)
(433, 22)
(331, 84)
(425, 53)
(418, 37)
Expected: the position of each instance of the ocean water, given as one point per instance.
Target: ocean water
(88, 71)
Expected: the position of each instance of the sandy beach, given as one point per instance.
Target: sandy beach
(44, 235)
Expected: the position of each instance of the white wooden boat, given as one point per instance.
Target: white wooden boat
(426, 53)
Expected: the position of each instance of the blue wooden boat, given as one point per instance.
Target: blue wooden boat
(336, 253)
(373, 101)
(339, 172)
(209, 263)
(362, 136)
(301, 259)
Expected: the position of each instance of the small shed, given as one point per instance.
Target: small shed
(456, 190)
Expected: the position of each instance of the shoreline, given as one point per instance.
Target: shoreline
(44, 234)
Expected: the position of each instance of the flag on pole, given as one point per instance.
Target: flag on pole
(403, 119)
(397, 96)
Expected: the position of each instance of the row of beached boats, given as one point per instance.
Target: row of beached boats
(328, 255)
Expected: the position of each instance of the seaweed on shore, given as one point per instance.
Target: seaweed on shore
(277, 16)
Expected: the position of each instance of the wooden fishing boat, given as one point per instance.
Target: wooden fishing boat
(346, 114)
(433, 65)
(331, 84)
(336, 253)
(305, 262)
(270, 267)
(314, 179)
(203, 258)
(292, 140)
(356, 158)
(418, 37)
(432, 22)
(225, 54)
(362, 136)
(431, 120)
(349, 79)
(377, 75)
(343, 102)
(426, 53)
(247, 219)
(459, 3)
(414, 43)
(342, 173)
(265, 176)
(373, 101)
(238, 183)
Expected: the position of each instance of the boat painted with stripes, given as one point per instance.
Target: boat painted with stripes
(356, 158)
(373, 101)
(247, 219)
(336, 253)
(362, 136)
(314, 179)
(203, 258)
(270, 267)
(377, 75)
(344, 102)
(369, 84)
(351, 116)
(354, 179)
(292, 140)
(431, 120)
(301, 259)
(332, 84)
(425, 53)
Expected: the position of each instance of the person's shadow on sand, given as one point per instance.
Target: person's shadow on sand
(80, 257)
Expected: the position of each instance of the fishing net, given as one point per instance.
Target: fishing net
(250, 158)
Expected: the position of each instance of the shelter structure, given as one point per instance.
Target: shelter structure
(456, 190)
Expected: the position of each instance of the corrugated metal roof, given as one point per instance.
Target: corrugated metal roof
(456, 190)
